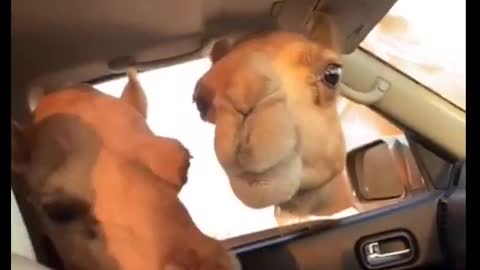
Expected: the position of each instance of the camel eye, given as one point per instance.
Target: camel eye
(331, 75)
(65, 210)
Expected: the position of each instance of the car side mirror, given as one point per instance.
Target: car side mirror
(376, 171)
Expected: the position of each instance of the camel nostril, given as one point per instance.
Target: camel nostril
(202, 99)
(202, 106)
(65, 210)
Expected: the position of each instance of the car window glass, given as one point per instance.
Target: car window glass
(426, 40)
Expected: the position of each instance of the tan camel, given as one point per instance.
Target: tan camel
(272, 98)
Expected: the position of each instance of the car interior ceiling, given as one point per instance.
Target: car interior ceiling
(147, 34)
(140, 33)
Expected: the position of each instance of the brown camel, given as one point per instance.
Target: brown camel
(106, 187)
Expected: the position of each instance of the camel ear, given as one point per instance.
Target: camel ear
(219, 50)
(20, 148)
(133, 93)
(324, 31)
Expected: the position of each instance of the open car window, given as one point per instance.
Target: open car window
(207, 194)
(20, 239)
(430, 50)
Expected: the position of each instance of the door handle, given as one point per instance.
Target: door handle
(375, 257)
(386, 249)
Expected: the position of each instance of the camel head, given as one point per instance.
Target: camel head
(272, 98)
(105, 187)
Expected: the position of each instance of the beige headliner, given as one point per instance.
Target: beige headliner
(59, 42)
